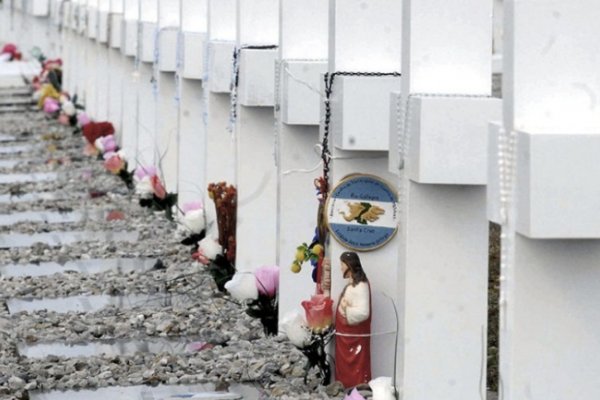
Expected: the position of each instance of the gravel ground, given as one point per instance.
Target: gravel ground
(183, 303)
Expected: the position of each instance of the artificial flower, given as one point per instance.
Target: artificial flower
(319, 312)
(83, 119)
(143, 187)
(11, 51)
(267, 280)
(354, 395)
(106, 144)
(68, 108)
(95, 130)
(51, 105)
(192, 205)
(157, 187)
(63, 119)
(296, 330)
(242, 286)
(224, 197)
(115, 164)
(52, 64)
(143, 172)
(47, 91)
(98, 144)
(210, 247)
(382, 388)
(193, 218)
(90, 150)
(266, 306)
(199, 256)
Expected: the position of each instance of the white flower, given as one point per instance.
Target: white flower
(193, 221)
(295, 329)
(242, 286)
(99, 144)
(382, 388)
(69, 108)
(122, 155)
(211, 249)
(143, 187)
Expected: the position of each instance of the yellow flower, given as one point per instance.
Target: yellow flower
(300, 255)
(317, 249)
(296, 268)
(47, 90)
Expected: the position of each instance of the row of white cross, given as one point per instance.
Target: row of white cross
(162, 70)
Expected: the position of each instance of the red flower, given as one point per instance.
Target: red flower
(95, 130)
(51, 64)
(11, 49)
(158, 188)
(319, 312)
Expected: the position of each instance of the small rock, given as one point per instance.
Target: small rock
(16, 383)
(31, 385)
(334, 389)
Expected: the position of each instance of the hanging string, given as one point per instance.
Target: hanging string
(329, 80)
(179, 62)
(155, 65)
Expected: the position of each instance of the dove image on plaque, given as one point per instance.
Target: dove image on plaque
(362, 212)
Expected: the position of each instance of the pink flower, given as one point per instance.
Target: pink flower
(158, 188)
(192, 206)
(319, 312)
(51, 105)
(83, 119)
(354, 395)
(63, 119)
(90, 150)
(267, 280)
(142, 172)
(200, 257)
(114, 164)
(199, 346)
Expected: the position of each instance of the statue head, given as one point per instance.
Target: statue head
(355, 270)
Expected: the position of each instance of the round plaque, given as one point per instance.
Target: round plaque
(362, 212)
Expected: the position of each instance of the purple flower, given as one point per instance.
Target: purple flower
(108, 155)
(51, 105)
(83, 119)
(108, 143)
(141, 172)
(267, 280)
(192, 206)
(354, 395)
